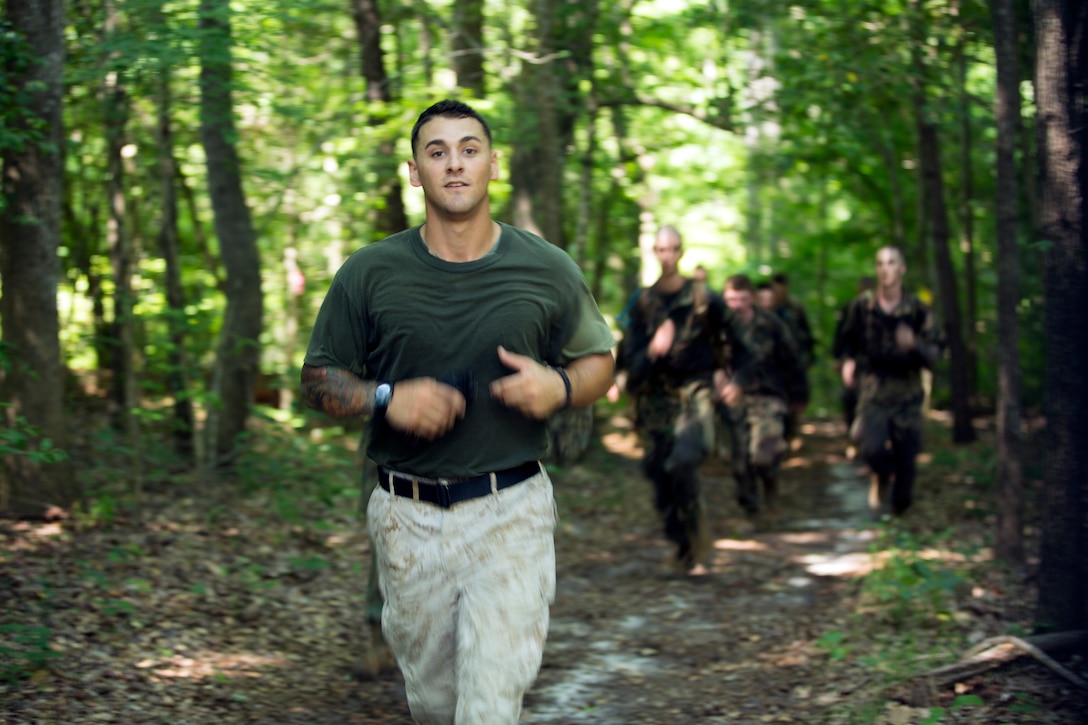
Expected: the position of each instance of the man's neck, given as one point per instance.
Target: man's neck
(460, 241)
(669, 283)
(890, 297)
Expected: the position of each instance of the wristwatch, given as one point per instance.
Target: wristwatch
(382, 395)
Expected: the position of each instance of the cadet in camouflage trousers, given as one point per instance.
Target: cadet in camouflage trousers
(888, 336)
(849, 395)
(768, 382)
(675, 346)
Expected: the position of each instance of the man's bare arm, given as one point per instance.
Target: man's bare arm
(422, 407)
(337, 392)
(538, 390)
(590, 378)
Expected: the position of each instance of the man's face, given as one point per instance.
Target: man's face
(740, 301)
(890, 268)
(765, 298)
(668, 250)
(454, 164)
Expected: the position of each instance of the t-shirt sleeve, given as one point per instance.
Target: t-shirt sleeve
(590, 334)
(338, 339)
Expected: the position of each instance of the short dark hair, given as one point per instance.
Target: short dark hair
(739, 283)
(448, 108)
(764, 285)
(781, 278)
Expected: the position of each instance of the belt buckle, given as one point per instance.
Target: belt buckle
(445, 500)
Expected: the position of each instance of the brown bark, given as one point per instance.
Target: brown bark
(937, 213)
(389, 216)
(1010, 474)
(536, 171)
(178, 373)
(992, 653)
(238, 352)
(468, 53)
(123, 384)
(1061, 123)
(30, 215)
(967, 219)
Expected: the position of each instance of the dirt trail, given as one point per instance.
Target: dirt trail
(634, 642)
(205, 608)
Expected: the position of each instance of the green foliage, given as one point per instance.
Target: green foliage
(909, 590)
(24, 650)
(23, 439)
(18, 126)
(1024, 703)
(302, 477)
(936, 714)
(115, 607)
(778, 139)
(832, 643)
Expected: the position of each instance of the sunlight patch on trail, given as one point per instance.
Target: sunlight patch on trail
(739, 545)
(209, 664)
(578, 698)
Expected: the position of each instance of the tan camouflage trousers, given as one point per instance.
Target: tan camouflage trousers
(757, 424)
(677, 429)
(467, 593)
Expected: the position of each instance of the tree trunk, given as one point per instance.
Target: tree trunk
(937, 212)
(468, 51)
(295, 283)
(1061, 123)
(756, 176)
(31, 383)
(178, 372)
(115, 115)
(893, 167)
(967, 219)
(1010, 477)
(620, 230)
(579, 245)
(389, 215)
(238, 352)
(537, 165)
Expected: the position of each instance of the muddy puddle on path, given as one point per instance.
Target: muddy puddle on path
(631, 641)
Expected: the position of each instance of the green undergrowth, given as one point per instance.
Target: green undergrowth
(919, 607)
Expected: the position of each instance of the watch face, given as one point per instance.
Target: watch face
(382, 394)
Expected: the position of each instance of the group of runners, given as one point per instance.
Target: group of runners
(699, 364)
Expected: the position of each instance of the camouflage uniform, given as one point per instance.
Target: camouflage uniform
(793, 314)
(796, 321)
(569, 434)
(674, 400)
(849, 395)
(890, 389)
(768, 368)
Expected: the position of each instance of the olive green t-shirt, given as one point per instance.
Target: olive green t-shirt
(394, 312)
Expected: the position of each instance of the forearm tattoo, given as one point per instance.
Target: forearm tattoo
(337, 392)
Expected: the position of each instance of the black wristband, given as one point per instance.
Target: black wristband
(566, 384)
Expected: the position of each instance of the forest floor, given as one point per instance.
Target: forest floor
(215, 603)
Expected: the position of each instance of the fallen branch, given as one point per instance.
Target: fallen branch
(996, 651)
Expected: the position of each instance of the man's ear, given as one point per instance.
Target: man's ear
(413, 173)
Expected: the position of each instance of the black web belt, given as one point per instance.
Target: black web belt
(446, 493)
